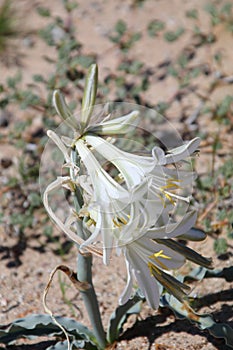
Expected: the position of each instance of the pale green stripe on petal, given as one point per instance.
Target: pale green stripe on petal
(146, 282)
(194, 234)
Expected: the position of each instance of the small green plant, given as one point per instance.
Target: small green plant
(123, 37)
(221, 13)
(224, 110)
(171, 36)
(220, 246)
(154, 27)
(7, 25)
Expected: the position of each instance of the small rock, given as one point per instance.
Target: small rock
(6, 162)
(4, 120)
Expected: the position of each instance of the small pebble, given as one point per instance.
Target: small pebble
(6, 162)
(3, 120)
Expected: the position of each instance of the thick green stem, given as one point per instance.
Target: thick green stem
(84, 273)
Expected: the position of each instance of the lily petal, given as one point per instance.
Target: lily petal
(117, 126)
(184, 151)
(132, 167)
(126, 294)
(146, 282)
(174, 230)
(56, 139)
(105, 186)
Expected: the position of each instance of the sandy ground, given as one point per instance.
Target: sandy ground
(27, 261)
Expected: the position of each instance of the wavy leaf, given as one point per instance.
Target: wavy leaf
(36, 325)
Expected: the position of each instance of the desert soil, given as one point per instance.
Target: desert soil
(27, 262)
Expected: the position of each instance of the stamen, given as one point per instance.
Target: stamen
(161, 255)
(90, 222)
(116, 223)
(119, 179)
(168, 196)
(122, 220)
(119, 221)
(158, 255)
(185, 199)
(170, 184)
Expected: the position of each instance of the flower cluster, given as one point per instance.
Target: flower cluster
(130, 210)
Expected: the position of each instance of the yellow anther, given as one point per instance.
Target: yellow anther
(122, 220)
(119, 221)
(90, 222)
(170, 184)
(119, 178)
(168, 196)
(162, 199)
(158, 255)
(161, 255)
(116, 223)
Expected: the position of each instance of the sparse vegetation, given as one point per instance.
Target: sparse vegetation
(190, 88)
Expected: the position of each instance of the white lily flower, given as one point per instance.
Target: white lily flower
(122, 215)
(130, 211)
(106, 187)
(113, 211)
(134, 168)
(149, 259)
(109, 203)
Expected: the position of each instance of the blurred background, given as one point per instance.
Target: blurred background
(171, 55)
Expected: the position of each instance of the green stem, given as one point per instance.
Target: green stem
(84, 274)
